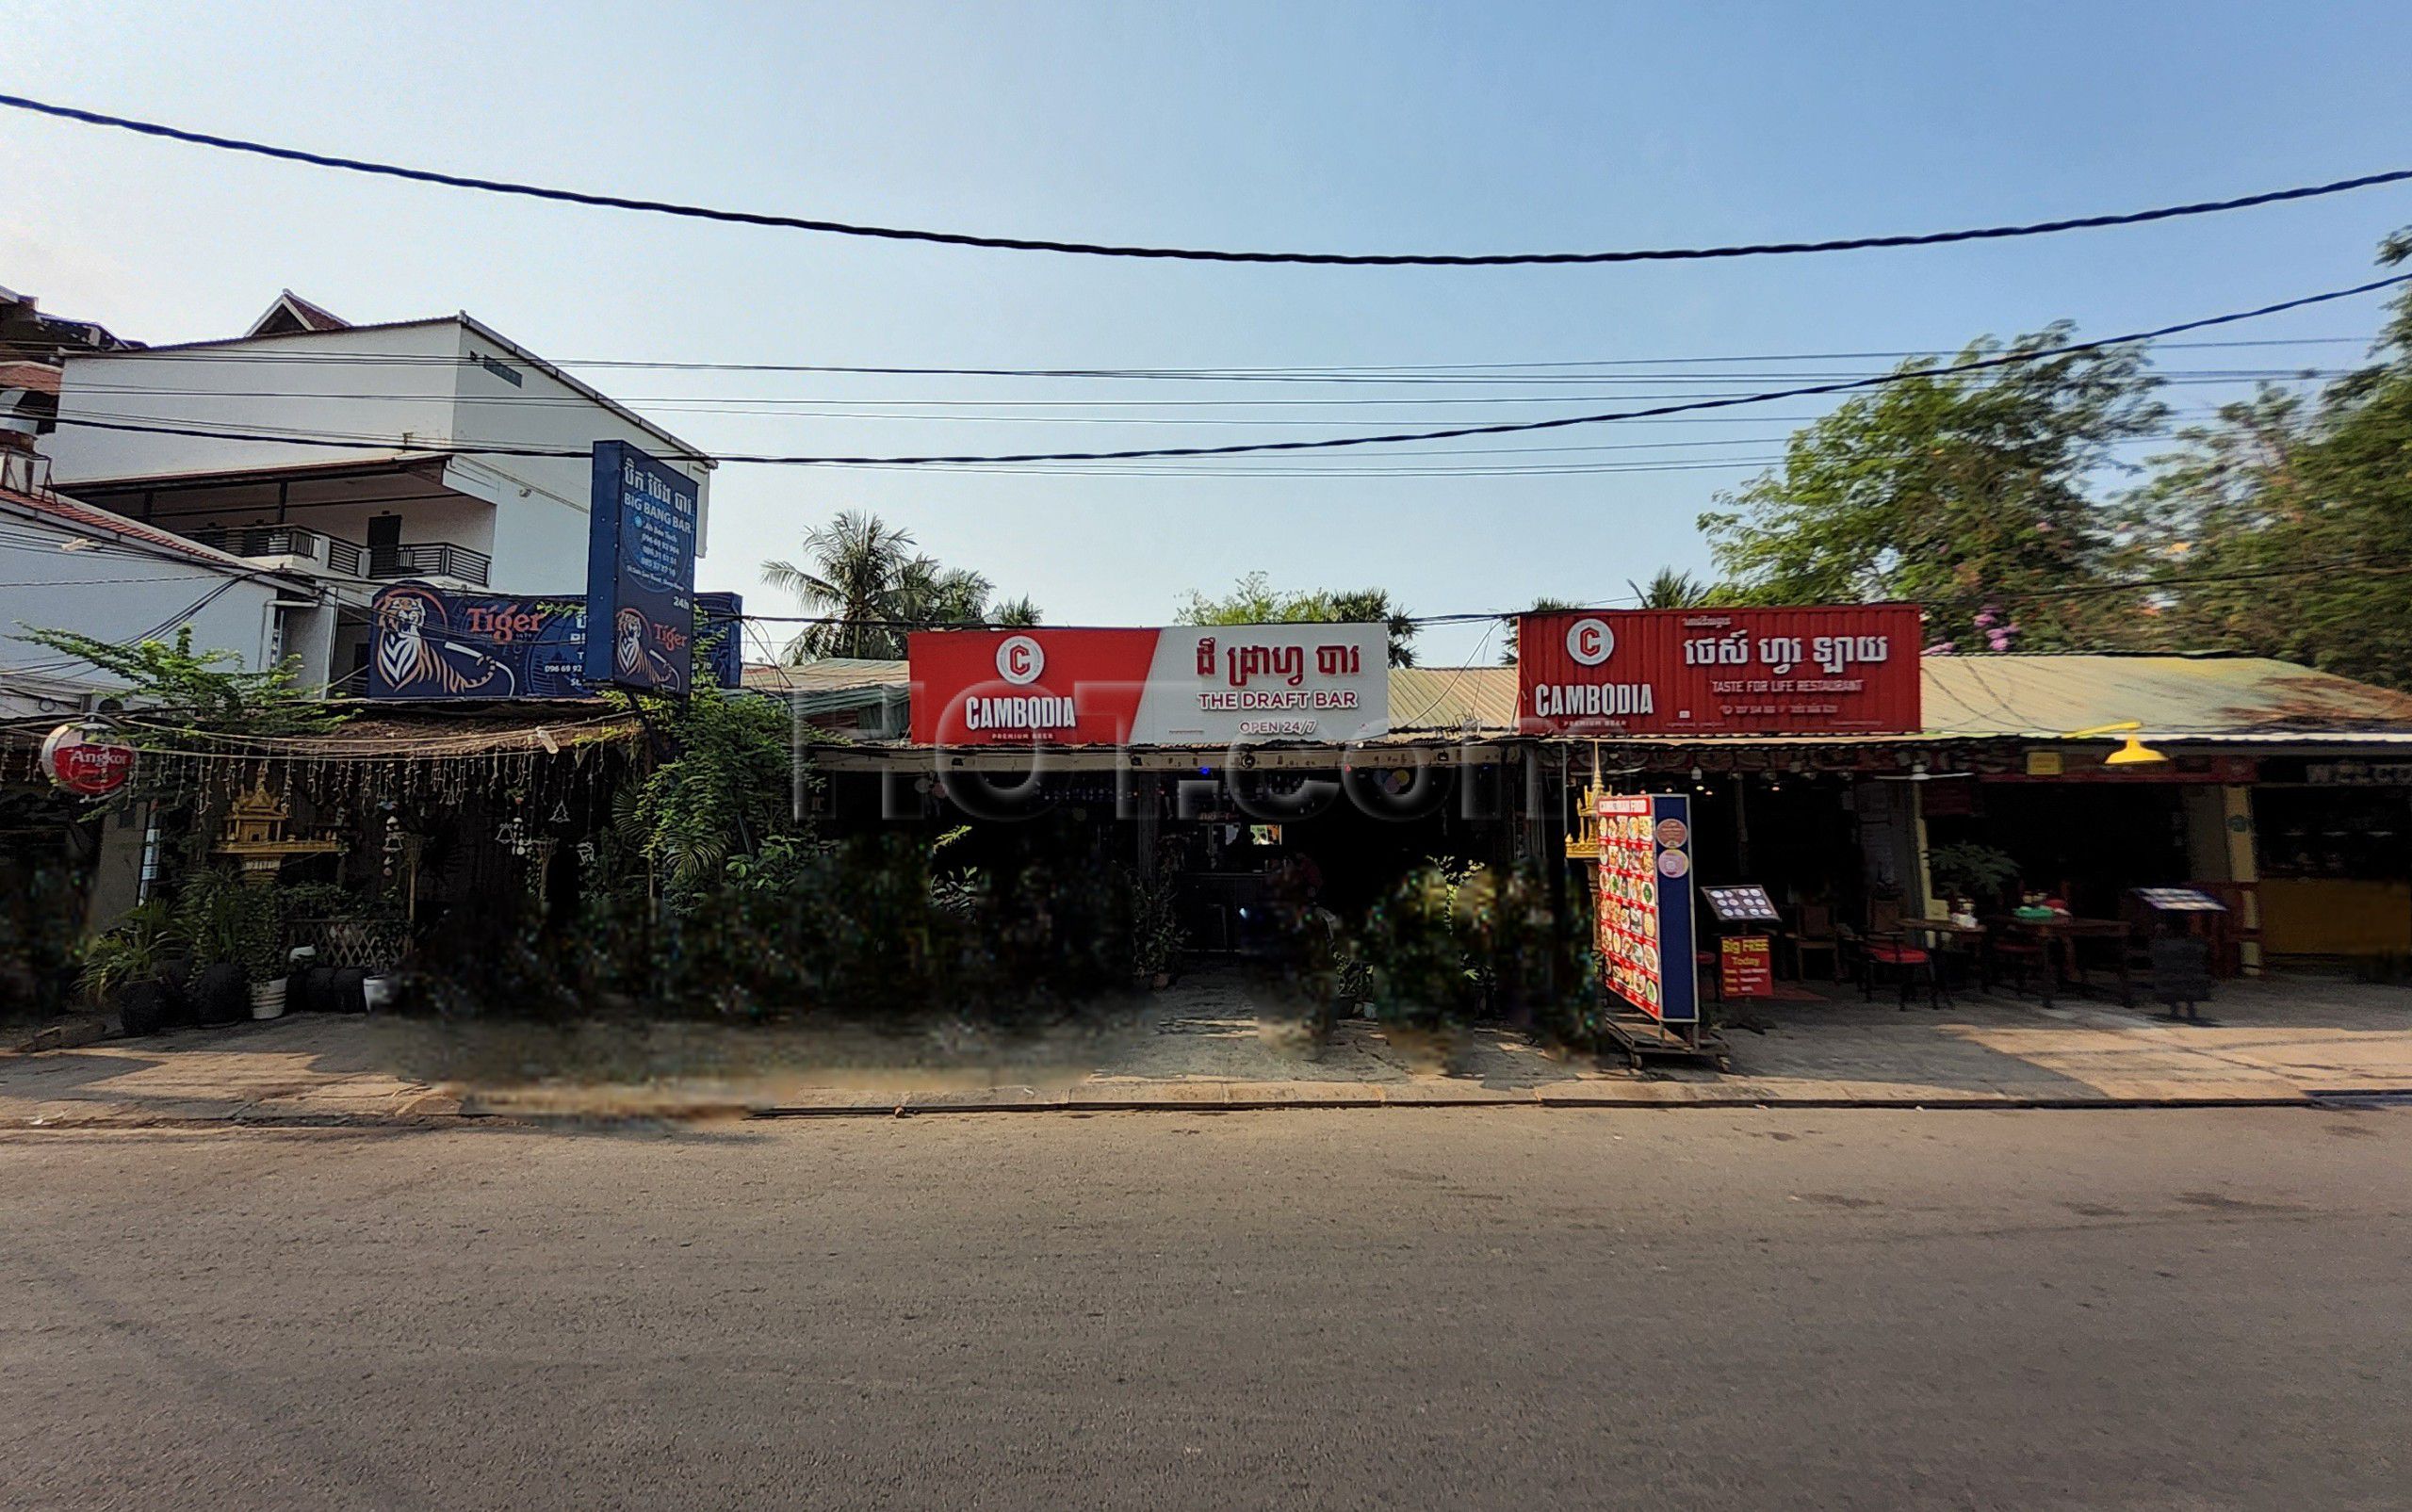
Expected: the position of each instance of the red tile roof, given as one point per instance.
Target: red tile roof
(39, 377)
(79, 516)
(301, 313)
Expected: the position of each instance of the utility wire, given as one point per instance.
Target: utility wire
(1331, 443)
(955, 239)
(2376, 566)
(240, 351)
(779, 404)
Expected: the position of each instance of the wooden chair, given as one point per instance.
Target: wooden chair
(1881, 951)
(1813, 931)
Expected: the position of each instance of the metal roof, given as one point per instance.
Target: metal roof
(824, 675)
(2173, 697)
(2027, 697)
(2211, 698)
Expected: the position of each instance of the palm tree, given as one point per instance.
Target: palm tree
(853, 567)
(871, 588)
(1543, 605)
(929, 594)
(1370, 606)
(1671, 589)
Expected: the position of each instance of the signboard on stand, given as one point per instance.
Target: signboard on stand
(1846, 669)
(430, 643)
(1746, 967)
(1203, 685)
(641, 571)
(1645, 924)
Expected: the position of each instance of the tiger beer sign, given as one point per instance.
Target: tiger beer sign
(1214, 685)
(1850, 668)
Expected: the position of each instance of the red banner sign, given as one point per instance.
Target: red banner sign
(1829, 670)
(1746, 966)
(1209, 685)
(83, 759)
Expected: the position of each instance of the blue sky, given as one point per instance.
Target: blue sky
(1386, 126)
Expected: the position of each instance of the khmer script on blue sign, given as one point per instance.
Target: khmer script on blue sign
(641, 571)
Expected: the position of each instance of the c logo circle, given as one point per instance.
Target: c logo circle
(1589, 642)
(1019, 660)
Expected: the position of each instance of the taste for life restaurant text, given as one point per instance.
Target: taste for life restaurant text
(1795, 670)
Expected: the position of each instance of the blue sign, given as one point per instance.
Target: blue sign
(641, 571)
(430, 643)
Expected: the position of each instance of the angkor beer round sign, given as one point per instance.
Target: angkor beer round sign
(83, 758)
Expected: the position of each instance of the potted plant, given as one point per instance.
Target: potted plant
(126, 968)
(265, 963)
(1968, 871)
(221, 917)
(1156, 934)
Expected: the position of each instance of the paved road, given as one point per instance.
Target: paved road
(1510, 1307)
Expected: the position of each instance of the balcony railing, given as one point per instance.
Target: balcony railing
(429, 559)
(422, 559)
(257, 541)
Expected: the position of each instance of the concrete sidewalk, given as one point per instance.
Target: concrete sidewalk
(1219, 1043)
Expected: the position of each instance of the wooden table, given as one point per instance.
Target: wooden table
(2061, 937)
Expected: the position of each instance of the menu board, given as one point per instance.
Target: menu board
(1645, 904)
(1747, 903)
(2181, 900)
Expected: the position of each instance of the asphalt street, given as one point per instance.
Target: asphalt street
(1393, 1307)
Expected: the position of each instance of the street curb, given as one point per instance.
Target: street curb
(1948, 1104)
(926, 1104)
(66, 1034)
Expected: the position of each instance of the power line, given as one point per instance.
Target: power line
(238, 352)
(805, 406)
(1330, 442)
(2373, 564)
(954, 239)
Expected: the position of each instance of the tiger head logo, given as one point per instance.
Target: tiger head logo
(413, 659)
(628, 641)
(403, 656)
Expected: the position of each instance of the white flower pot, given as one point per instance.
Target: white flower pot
(380, 993)
(268, 999)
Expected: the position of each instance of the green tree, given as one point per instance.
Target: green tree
(724, 791)
(1254, 600)
(851, 571)
(1954, 490)
(176, 690)
(2286, 524)
(929, 594)
(1543, 605)
(864, 575)
(1670, 589)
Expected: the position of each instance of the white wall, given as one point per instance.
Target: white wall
(538, 533)
(227, 385)
(119, 596)
(539, 537)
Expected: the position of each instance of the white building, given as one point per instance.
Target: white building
(66, 565)
(362, 454)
